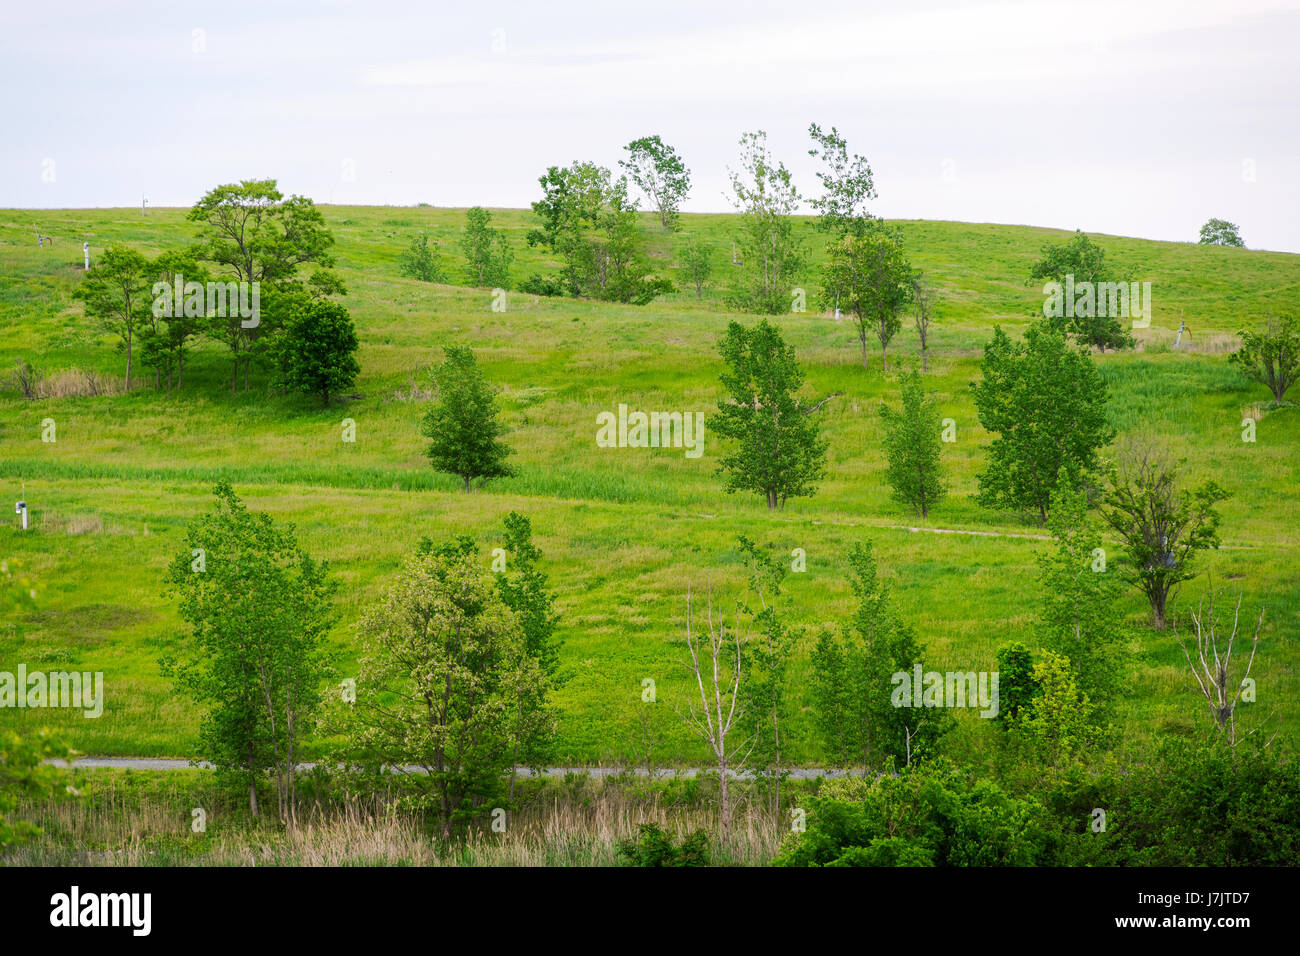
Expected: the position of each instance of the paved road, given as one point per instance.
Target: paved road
(176, 763)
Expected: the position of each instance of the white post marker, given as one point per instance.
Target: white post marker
(143, 202)
(85, 247)
(20, 506)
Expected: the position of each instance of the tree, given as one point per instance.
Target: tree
(846, 183)
(1080, 260)
(1220, 232)
(462, 421)
(912, 446)
(1162, 525)
(781, 453)
(259, 609)
(116, 293)
(438, 689)
(1046, 403)
(1059, 722)
(1211, 669)
(717, 678)
(418, 261)
(869, 277)
(659, 172)
(852, 671)
(763, 691)
(523, 588)
(1271, 356)
(697, 262)
(1078, 603)
(766, 197)
(486, 250)
(589, 222)
(164, 343)
(923, 297)
(256, 235)
(317, 353)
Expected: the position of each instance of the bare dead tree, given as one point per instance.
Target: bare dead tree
(719, 698)
(1212, 674)
(25, 378)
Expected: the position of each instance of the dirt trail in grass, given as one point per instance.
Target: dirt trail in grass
(178, 763)
(987, 534)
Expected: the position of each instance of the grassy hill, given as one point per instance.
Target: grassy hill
(625, 531)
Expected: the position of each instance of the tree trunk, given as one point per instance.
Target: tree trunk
(466, 477)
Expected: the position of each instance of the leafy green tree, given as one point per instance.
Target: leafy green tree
(846, 186)
(772, 258)
(418, 261)
(1162, 524)
(658, 171)
(1271, 356)
(252, 233)
(852, 680)
(1017, 686)
(764, 688)
(462, 421)
(923, 299)
(781, 453)
(487, 250)
(1220, 232)
(1078, 603)
(696, 260)
(445, 659)
(317, 353)
(590, 223)
(165, 342)
(1059, 723)
(259, 609)
(1046, 404)
(869, 277)
(116, 294)
(912, 447)
(1083, 259)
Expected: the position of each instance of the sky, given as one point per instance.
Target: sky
(1136, 118)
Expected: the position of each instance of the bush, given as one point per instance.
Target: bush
(653, 847)
(537, 284)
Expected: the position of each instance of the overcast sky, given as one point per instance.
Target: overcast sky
(1133, 118)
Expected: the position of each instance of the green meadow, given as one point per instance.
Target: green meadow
(626, 533)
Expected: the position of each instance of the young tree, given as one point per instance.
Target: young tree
(1083, 259)
(717, 678)
(769, 650)
(869, 277)
(259, 609)
(418, 261)
(846, 186)
(852, 687)
(659, 172)
(781, 453)
(462, 421)
(254, 234)
(912, 446)
(1272, 355)
(697, 262)
(1211, 670)
(439, 685)
(164, 343)
(1078, 604)
(1163, 527)
(317, 353)
(766, 197)
(486, 250)
(116, 293)
(1046, 403)
(923, 299)
(1060, 720)
(1220, 232)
